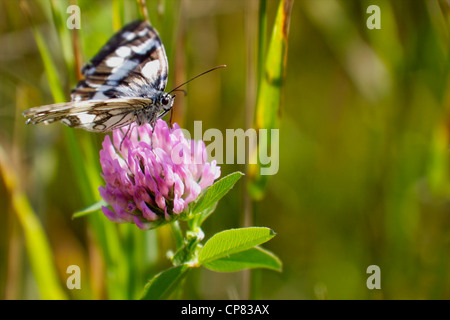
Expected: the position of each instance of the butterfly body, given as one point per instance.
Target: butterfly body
(123, 83)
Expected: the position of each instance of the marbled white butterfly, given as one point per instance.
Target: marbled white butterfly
(123, 83)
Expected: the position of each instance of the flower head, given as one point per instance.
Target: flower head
(151, 180)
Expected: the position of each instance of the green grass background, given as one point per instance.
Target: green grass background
(364, 149)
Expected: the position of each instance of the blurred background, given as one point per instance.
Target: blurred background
(363, 148)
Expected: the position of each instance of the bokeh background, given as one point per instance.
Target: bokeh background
(364, 148)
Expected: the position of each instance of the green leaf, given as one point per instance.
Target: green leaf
(231, 241)
(201, 216)
(216, 192)
(164, 283)
(250, 259)
(92, 208)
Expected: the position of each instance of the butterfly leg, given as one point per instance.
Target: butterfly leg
(170, 119)
(128, 130)
(152, 125)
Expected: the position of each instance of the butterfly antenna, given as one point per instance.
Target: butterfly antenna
(201, 74)
(182, 90)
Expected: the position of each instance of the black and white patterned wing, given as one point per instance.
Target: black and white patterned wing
(123, 83)
(133, 63)
(90, 115)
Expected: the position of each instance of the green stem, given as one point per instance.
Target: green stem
(178, 235)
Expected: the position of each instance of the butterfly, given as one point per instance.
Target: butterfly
(123, 83)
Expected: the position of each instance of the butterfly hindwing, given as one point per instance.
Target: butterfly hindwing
(91, 115)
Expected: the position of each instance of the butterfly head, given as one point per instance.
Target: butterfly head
(165, 101)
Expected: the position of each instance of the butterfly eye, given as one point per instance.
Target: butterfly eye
(165, 101)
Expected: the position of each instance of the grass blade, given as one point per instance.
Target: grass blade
(270, 90)
(91, 209)
(37, 244)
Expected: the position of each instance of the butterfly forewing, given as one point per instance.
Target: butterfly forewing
(121, 84)
(133, 56)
